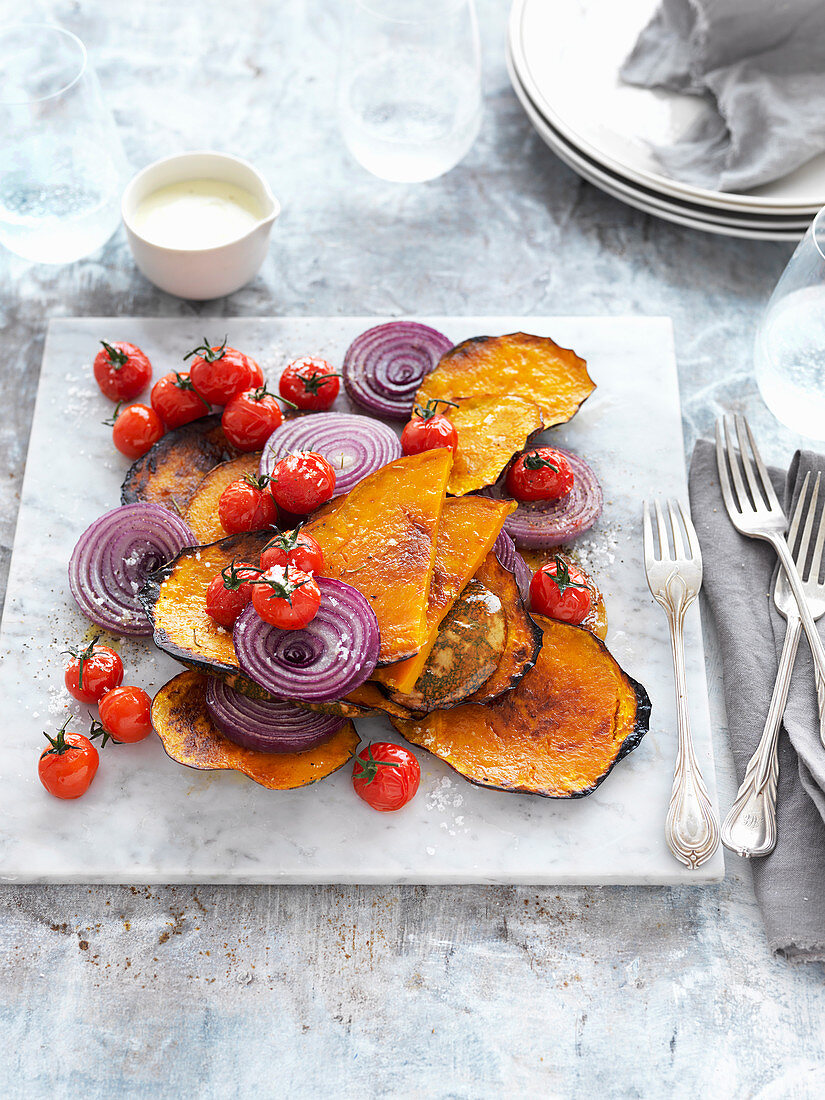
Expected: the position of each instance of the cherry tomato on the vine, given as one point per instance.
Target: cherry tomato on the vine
(543, 474)
(68, 765)
(429, 429)
(560, 591)
(229, 593)
(310, 384)
(136, 429)
(302, 482)
(250, 418)
(176, 401)
(295, 548)
(247, 505)
(220, 372)
(92, 672)
(121, 370)
(286, 598)
(385, 775)
(125, 713)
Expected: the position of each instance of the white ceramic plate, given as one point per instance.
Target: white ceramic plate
(568, 56)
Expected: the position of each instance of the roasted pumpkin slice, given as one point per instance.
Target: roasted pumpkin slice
(188, 735)
(491, 429)
(381, 540)
(175, 601)
(558, 733)
(170, 472)
(202, 511)
(596, 619)
(523, 639)
(532, 367)
(466, 532)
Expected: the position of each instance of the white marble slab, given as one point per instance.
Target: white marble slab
(147, 819)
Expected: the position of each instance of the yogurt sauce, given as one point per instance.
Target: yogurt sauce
(195, 214)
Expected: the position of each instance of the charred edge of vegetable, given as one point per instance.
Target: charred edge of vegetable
(338, 707)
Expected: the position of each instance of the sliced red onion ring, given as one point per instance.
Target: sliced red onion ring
(548, 523)
(384, 366)
(268, 725)
(353, 445)
(333, 654)
(505, 550)
(114, 557)
(523, 574)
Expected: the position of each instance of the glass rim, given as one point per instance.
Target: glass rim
(66, 34)
(368, 6)
(815, 230)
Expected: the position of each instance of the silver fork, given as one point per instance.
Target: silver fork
(750, 827)
(691, 828)
(760, 516)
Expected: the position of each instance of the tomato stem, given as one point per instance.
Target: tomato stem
(426, 412)
(83, 655)
(562, 579)
(369, 767)
(535, 461)
(232, 579)
(110, 421)
(313, 382)
(206, 352)
(117, 358)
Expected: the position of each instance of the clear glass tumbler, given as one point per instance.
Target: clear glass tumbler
(409, 85)
(62, 166)
(790, 342)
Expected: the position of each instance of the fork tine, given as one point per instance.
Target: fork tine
(678, 544)
(742, 437)
(797, 513)
(738, 483)
(805, 541)
(664, 545)
(816, 560)
(767, 484)
(690, 531)
(722, 465)
(648, 533)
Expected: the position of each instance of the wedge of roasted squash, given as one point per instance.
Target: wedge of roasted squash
(467, 529)
(381, 540)
(491, 429)
(558, 733)
(175, 601)
(180, 719)
(170, 472)
(532, 367)
(202, 511)
(596, 620)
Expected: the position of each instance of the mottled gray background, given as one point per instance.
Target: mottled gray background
(433, 992)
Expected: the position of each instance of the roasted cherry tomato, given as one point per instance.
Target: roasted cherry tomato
(286, 598)
(135, 430)
(294, 547)
(309, 384)
(250, 418)
(429, 429)
(122, 371)
(543, 474)
(125, 714)
(219, 372)
(561, 592)
(385, 775)
(229, 592)
(68, 765)
(247, 505)
(176, 401)
(302, 482)
(92, 672)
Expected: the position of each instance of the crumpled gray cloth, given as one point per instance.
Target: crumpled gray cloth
(759, 64)
(738, 589)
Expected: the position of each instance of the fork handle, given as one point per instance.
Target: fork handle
(750, 827)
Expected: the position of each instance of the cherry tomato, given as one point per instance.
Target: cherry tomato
(302, 482)
(92, 672)
(122, 371)
(250, 418)
(229, 593)
(286, 598)
(247, 505)
(68, 765)
(561, 592)
(176, 401)
(219, 372)
(310, 384)
(136, 429)
(429, 429)
(295, 548)
(386, 776)
(125, 714)
(543, 474)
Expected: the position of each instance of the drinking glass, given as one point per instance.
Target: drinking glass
(790, 341)
(62, 166)
(409, 85)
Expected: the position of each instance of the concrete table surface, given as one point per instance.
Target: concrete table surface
(436, 992)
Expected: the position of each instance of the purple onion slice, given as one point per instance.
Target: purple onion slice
(333, 654)
(114, 557)
(384, 366)
(523, 574)
(544, 524)
(353, 445)
(268, 725)
(505, 550)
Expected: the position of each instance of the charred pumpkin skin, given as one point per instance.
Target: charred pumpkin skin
(491, 429)
(202, 511)
(558, 734)
(596, 619)
(171, 470)
(532, 367)
(188, 736)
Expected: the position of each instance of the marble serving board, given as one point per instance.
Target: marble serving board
(147, 819)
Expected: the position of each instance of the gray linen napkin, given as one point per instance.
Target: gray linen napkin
(738, 587)
(761, 67)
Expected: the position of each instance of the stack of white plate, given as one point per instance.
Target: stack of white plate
(564, 58)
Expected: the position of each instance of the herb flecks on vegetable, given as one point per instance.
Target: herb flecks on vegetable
(206, 352)
(118, 358)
